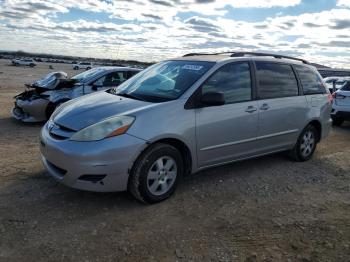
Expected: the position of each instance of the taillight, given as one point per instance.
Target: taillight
(330, 97)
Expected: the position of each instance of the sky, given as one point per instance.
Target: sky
(153, 30)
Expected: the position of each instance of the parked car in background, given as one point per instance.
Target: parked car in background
(335, 83)
(184, 115)
(24, 62)
(42, 97)
(82, 65)
(341, 104)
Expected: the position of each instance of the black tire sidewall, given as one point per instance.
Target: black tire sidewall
(145, 162)
(51, 107)
(337, 121)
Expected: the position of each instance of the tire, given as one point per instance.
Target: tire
(76, 68)
(306, 144)
(51, 107)
(156, 173)
(88, 68)
(337, 121)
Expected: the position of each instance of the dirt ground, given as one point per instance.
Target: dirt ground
(266, 209)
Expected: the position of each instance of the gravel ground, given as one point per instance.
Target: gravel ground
(266, 209)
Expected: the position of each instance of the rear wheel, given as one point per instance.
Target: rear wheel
(76, 68)
(306, 144)
(156, 173)
(337, 121)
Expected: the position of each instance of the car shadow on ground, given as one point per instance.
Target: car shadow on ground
(41, 187)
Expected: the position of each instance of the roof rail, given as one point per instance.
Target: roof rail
(195, 54)
(240, 54)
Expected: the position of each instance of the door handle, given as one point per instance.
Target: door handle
(264, 107)
(251, 109)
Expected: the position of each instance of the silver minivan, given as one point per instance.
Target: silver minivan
(184, 115)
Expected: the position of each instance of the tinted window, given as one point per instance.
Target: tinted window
(276, 80)
(112, 79)
(311, 81)
(233, 80)
(346, 86)
(132, 73)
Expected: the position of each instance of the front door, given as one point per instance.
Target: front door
(227, 132)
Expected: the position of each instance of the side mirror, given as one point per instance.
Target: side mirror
(213, 99)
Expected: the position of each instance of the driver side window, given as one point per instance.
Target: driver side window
(111, 80)
(233, 80)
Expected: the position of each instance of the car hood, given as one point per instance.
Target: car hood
(90, 109)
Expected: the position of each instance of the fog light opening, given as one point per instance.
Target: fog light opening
(92, 178)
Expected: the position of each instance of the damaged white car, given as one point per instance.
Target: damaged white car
(41, 98)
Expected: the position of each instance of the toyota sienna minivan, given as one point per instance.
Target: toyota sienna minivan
(184, 115)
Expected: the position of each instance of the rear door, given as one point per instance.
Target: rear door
(227, 132)
(282, 110)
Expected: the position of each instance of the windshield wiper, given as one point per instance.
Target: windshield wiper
(129, 96)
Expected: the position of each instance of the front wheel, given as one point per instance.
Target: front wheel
(306, 144)
(156, 173)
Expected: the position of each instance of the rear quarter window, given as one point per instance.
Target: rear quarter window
(311, 81)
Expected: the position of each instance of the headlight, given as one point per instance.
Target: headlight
(109, 127)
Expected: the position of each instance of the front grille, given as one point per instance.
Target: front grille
(60, 132)
(58, 137)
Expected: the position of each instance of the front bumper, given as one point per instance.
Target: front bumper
(30, 110)
(101, 166)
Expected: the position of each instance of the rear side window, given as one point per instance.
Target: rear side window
(346, 87)
(132, 73)
(311, 81)
(276, 80)
(233, 80)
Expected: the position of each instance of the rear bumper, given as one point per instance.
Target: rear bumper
(342, 115)
(340, 112)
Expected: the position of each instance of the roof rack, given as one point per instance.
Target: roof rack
(240, 54)
(197, 54)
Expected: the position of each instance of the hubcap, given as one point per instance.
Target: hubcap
(161, 175)
(307, 144)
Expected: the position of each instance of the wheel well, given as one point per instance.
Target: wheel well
(316, 124)
(52, 106)
(183, 149)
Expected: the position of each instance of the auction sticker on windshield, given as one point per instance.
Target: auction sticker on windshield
(192, 67)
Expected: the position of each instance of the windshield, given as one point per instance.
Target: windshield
(164, 81)
(87, 75)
